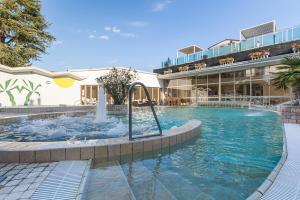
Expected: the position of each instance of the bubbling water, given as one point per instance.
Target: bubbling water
(101, 105)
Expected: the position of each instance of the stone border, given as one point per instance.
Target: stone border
(99, 150)
(44, 109)
(262, 189)
(290, 114)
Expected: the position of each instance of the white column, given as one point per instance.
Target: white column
(234, 92)
(220, 87)
(250, 85)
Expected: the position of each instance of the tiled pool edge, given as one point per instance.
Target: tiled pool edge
(98, 150)
(263, 188)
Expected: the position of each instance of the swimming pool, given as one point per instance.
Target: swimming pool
(234, 153)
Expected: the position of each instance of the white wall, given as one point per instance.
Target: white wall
(50, 92)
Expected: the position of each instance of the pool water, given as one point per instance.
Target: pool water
(234, 153)
(86, 127)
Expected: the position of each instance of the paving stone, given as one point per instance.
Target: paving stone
(12, 172)
(21, 188)
(6, 190)
(33, 174)
(14, 196)
(13, 182)
(27, 194)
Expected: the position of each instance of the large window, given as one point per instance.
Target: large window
(252, 84)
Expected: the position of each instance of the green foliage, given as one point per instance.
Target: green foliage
(116, 83)
(288, 75)
(22, 32)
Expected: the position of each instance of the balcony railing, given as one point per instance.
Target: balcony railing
(279, 37)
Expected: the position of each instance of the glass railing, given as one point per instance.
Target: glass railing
(279, 37)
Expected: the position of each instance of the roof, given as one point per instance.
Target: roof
(261, 29)
(35, 70)
(190, 49)
(229, 40)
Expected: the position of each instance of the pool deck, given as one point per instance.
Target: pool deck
(287, 182)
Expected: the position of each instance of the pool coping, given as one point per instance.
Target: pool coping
(263, 188)
(98, 150)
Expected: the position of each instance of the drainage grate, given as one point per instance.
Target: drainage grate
(63, 182)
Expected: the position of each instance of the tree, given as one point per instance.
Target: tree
(116, 83)
(289, 76)
(23, 35)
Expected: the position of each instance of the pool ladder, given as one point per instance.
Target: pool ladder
(130, 91)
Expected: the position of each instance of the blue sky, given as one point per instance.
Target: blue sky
(142, 33)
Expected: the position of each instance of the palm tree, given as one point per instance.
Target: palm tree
(288, 75)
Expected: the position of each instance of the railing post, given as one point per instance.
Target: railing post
(130, 90)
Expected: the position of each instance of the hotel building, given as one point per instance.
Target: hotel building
(231, 70)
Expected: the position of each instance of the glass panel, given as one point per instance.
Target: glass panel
(242, 75)
(227, 77)
(278, 37)
(213, 90)
(136, 93)
(202, 80)
(227, 90)
(296, 33)
(155, 94)
(224, 50)
(171, 83)
(213, 78)
(182, 82)
(250, 43)
(243, 45)
(259, 73)
(268, 40)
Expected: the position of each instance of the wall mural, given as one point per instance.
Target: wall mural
(13, 84)
(64, 82)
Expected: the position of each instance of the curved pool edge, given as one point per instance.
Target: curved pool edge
(263, 188)
(98, 150)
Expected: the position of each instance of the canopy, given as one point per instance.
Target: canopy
(190, 49)
(262, 29)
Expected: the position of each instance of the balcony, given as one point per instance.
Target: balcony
(280, 37)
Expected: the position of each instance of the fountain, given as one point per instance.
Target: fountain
(101, 104)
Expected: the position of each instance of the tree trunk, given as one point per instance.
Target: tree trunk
(296, 96)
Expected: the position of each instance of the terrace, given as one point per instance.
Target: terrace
(273, 43)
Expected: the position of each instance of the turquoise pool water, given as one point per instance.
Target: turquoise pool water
(235, 152)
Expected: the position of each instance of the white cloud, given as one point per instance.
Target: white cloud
(138, 24)
(107, 28)
(104, 37)
(115, 29)
(58, 42)
(160, 6)
(91, 36)
(128, 35)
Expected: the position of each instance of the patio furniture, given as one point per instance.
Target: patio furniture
(296, 47)
(184, 68)
(200, 65)
(168, 71)
(259, 54)
(226, 61)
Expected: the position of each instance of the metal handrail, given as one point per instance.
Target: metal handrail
(132, 86)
